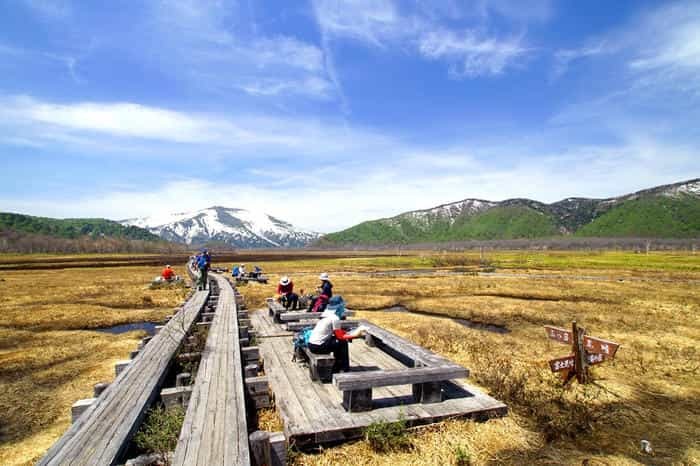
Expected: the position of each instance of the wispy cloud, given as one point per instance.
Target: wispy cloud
(28, 119)
(469, 51)
(210, 35)
(470, 54)
(660, 46)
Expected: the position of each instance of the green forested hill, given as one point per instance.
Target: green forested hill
(73, 228)
(670, 211)
(659, 217)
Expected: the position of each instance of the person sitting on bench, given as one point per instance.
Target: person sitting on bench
(325, 290)
(329, 337)
(285, 290)
(241, 271)
(168, 274)
(257, 271)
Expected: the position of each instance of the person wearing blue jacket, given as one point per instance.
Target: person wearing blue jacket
(203, 264)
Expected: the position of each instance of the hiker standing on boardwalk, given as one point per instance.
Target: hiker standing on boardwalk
(328, 335)
(203, 264)
(285, 290)
(325, 292)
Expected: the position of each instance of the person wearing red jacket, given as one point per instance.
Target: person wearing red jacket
(328, 335)
(168, 274)
(286, 295)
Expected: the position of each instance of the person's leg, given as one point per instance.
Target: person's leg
(204, 279)
(342, 355)
(294, 300)
(325, 348)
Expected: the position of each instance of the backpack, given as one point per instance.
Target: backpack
(301, 341)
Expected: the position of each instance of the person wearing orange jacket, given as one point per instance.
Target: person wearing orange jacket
(168, 274)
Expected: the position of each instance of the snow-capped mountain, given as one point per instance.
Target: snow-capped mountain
(668, 211)
(235, 227)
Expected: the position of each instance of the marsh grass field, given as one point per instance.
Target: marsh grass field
(649, 303)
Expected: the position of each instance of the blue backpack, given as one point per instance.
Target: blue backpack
(301, 341)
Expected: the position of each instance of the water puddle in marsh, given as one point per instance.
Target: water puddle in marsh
(149, 327)
(472, 324)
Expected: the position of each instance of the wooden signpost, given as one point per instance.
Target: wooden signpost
(587, 351)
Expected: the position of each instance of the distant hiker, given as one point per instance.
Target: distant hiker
(328, 335)
(242, 270)
(257, 271)
(325, 292)
(285, 290)
(168, 274)
(235, 271)
(203, 264)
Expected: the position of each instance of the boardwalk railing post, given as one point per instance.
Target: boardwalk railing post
(260, 448)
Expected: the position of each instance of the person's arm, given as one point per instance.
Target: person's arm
(339, 333)
(279, 289)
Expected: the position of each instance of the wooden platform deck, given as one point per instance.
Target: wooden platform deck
(312, 412)
(102, 432)
(215, 431)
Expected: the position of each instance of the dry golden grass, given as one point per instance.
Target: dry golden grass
(651, 391)
(47, 362)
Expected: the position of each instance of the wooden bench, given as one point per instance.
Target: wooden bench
(300, 324)
(320, 366)
(293, 316)
(426, 382)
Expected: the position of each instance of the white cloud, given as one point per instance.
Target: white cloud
(371, 21)
(221, 51)
(564, 57)
(471, 54)
(672, 39)
(336, 195)
(131, 126)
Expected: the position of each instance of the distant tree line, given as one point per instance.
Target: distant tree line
(20, 242)
(557, 243)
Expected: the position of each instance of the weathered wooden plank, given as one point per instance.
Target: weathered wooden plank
(384, 378)
(292, 316)
(215, 428)
(102, 433)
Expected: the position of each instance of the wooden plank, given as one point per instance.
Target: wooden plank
(215, 428)
(384, 378)
(292, 316)
(101, 435)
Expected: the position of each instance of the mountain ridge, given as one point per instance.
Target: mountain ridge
(234, 227)
(474, 218)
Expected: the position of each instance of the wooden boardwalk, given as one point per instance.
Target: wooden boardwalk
(103, 431)
(312, 412)
(215, 430)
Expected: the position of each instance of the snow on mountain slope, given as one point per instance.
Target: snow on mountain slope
(236, 227)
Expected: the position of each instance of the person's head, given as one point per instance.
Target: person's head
(167, 266)
(324, 277)
(242, 265)
(336, 305)
(284, 281)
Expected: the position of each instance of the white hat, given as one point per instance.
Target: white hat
(284, 280)
(167, 266)
(323, 276)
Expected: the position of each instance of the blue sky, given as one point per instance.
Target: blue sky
(327, 113)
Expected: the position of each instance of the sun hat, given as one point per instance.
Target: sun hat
(323, 276)
(336, 305)
(284, 281)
